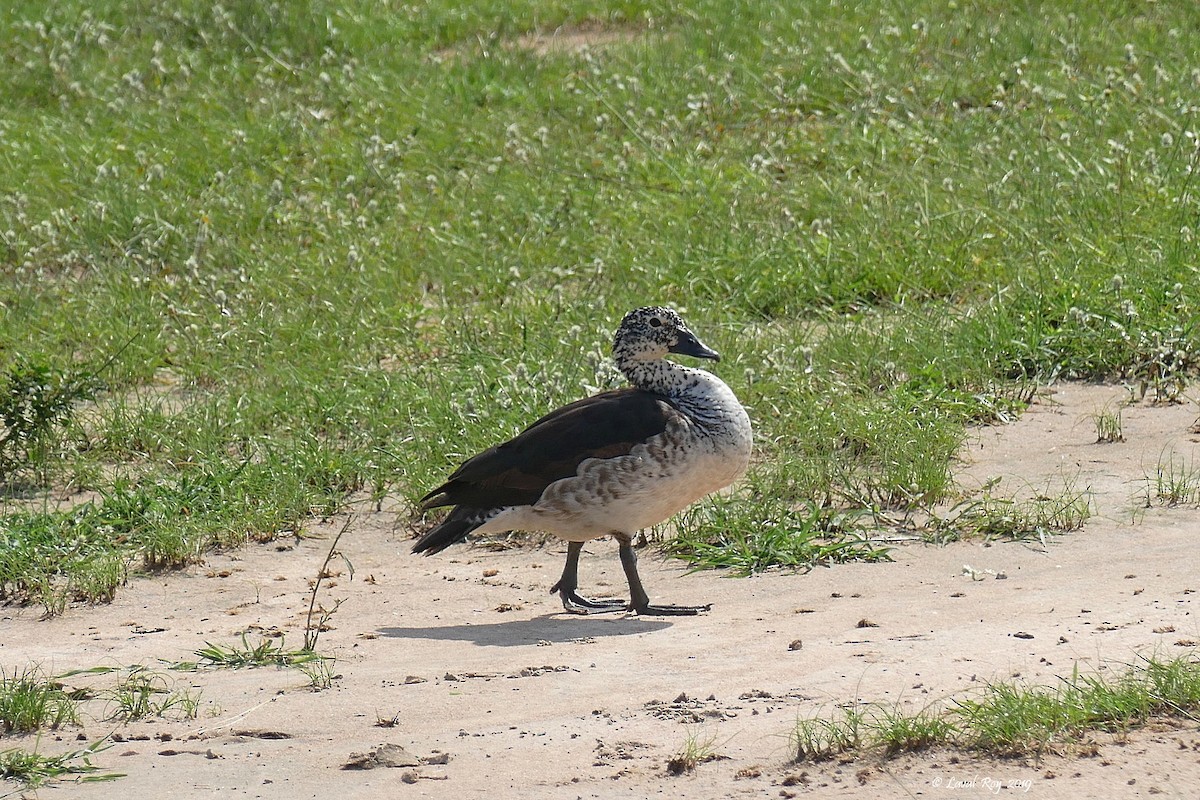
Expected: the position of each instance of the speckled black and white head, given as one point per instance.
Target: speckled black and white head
(650, 333)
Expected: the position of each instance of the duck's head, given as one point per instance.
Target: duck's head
(650, 333)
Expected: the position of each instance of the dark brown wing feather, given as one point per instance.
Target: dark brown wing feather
(517, 472)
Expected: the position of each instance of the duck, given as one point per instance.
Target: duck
(612, 464)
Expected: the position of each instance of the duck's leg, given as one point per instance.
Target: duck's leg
(569, 582)
(639, 601)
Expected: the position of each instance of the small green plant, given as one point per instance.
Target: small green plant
(267, 653)
(36, 399)
(30, 701)
(32, 769)
(817, 739)
(1174, 482)
(273, 652)
(719, 534)
(1014, 719)
(694, 751)
(1109, 429)
(1010, 519)
(1167, 357)
(896, 732)
(319, 671)
(145, 693)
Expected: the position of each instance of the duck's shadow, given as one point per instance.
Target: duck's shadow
(555, 629)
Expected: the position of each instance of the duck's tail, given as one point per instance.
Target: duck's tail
(453, 529)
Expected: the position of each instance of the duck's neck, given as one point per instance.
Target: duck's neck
(663, 376)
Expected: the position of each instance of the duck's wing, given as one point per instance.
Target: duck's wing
(605, 425)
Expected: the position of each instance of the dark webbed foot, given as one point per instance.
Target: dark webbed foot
(650, 610)
(572, 602)
(640, 602)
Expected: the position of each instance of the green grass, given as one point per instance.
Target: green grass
(83, 553)
(715, 534)
(991, 516)
(31, 701)
(1175, 481)
(1018, 719)
(36, 401)
(32, 769)
(268, 652)
(1109, 426)
(322, 252)
(694, 751)
(147, 693)
(819, 739)
(1013, 719)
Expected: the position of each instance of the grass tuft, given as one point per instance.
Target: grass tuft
(695, 751)
(37, 401)
(1014, 719)
(146, 693)
(748, 538)
(896, 732)
(1109, 428)
(33, 769)
(1017, 520)
(818, 739)
(1175, 481)
(31, 701)
(267, 653)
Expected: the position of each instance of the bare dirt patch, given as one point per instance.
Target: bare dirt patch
(565, 39)
(572, 39)
(465, 665)
(1056, 444)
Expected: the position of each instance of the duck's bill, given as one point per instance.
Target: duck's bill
(689, 345)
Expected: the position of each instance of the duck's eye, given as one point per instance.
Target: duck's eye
(655, 322)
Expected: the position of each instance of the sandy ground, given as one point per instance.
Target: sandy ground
(466, 663)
